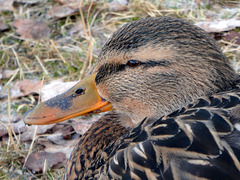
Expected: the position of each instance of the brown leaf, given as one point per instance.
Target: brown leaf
(4, 114)
(77, 29)
(25, 87)
(71, 3)
(5, 74)
(66, 130)
(59, 135)
(30, 29)
(36, 160)
(28, 134)
(17, 127)
(66, 147)
(58, 127)
(6, 5)
(56, 138)
(75, 4)
(116, 6)
(219, 26)
(61, 11)
(3, 130)
(234, 37)
(3, 26)
(69, 7)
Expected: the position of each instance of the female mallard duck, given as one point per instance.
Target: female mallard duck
(175, 105)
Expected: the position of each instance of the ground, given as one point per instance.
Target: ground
(42, 41)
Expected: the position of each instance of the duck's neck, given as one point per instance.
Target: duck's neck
(94, 147)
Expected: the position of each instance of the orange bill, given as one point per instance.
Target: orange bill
(82, 99)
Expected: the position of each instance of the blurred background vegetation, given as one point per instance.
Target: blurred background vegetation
(60, 39)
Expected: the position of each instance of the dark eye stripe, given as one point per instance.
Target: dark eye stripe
(106, 70)
(152, 63)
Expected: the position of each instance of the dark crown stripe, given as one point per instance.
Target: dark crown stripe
(108, 69)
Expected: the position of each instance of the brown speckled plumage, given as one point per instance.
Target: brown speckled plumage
(94, 147)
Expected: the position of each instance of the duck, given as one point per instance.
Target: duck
(171, 101)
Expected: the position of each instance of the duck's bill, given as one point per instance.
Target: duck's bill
(82, 99)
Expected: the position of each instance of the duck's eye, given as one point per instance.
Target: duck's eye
(79, 91)
(133, 63)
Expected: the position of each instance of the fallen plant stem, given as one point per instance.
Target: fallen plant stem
(18, 62)
(56, 49)
(41, 64)
(10, 130)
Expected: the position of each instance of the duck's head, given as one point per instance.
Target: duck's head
(148, 68)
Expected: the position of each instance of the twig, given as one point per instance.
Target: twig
(89, 39)
(45, 166)
(18, 62)
(90, 42)
(57, 51)
(41, 64)
(10, 130)
(31, 146)
(10, 80)
(85, 63)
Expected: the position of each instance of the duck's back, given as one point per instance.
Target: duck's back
(200, 141)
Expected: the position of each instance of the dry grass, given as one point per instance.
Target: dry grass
(71, 56)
